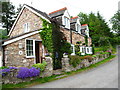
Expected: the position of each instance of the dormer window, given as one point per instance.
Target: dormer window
(78, 28)
(66, 22)
(26, 27)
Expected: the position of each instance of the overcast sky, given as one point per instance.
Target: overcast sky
(107, 8)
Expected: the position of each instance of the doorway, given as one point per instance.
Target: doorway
(38, 51)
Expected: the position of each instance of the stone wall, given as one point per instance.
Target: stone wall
(75, 36)
(26, 17)
(89, 41)
(85, 63)
(66, 32)
(12, 56)
(12, 76)
(49, 68)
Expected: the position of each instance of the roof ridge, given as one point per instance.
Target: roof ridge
(84, 24)
(74, 17)
(65, 8)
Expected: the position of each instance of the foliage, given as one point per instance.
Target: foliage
(3, 67)
(83, 18)
(26, 72)
(115, 20)
(66, 48)
(104, 53)
(74, 60)
(8, 15)
(86, 40)
(46, 35)
(88, 57)
(98, 27)
(79, 42)
(60, 45)
(3, 34)
(94, 56)
(53, 77)
(13, 68)
(18, 9)
(5, 70)
(77, 50)
(40, 65)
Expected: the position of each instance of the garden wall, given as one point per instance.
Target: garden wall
(11, 77)
(84, 63)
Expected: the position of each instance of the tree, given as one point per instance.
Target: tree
(3, 34)
(83, 18)
(98, 28)
(8, 13)
(18, 9)
(115, 20)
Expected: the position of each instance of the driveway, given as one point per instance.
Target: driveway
(104, 76)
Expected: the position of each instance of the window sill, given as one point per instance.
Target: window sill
(30, 56)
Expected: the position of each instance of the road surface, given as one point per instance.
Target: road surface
(104, 76)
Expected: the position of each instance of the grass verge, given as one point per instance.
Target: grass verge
(53, 77)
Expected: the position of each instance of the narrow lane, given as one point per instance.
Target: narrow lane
(104, 76)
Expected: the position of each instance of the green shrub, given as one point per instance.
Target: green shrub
(3, 67)
(40, 65)
(94, 56)
(88, 57)
(74, 60)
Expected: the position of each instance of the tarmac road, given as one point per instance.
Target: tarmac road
(104, 76)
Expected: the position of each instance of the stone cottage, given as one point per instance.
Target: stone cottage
(24, 46)
(72, 29)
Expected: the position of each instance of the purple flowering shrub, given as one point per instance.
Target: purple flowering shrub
(13, 68)
(5, 71)
(26, 72)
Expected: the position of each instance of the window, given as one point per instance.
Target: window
(88, 50)
(26, 27)
(66, 22)
(29, 48)
(78, 28)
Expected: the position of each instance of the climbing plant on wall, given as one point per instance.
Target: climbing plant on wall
(46, 35)
(55, 42)
(86, 40)
(60, 45)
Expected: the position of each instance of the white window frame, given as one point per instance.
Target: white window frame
(82, 50)
(66, 22)
(33, 56)
(90, 50)
(26, 27)
(73, 49)
(78, 28)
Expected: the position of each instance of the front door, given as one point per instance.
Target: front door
(38, 50)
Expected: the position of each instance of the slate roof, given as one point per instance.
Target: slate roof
(57, 12)
(84, 24)
(40, 12)
(74, 19)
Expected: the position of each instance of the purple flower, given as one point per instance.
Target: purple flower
(13, 68)
(3, 72)
(26, 72)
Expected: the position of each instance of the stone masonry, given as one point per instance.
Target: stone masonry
(26, 17)
(12, 56)
(12, 76)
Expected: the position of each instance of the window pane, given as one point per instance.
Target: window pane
(29, 47)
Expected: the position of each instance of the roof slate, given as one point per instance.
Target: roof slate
(40, 12)
(58, 12)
